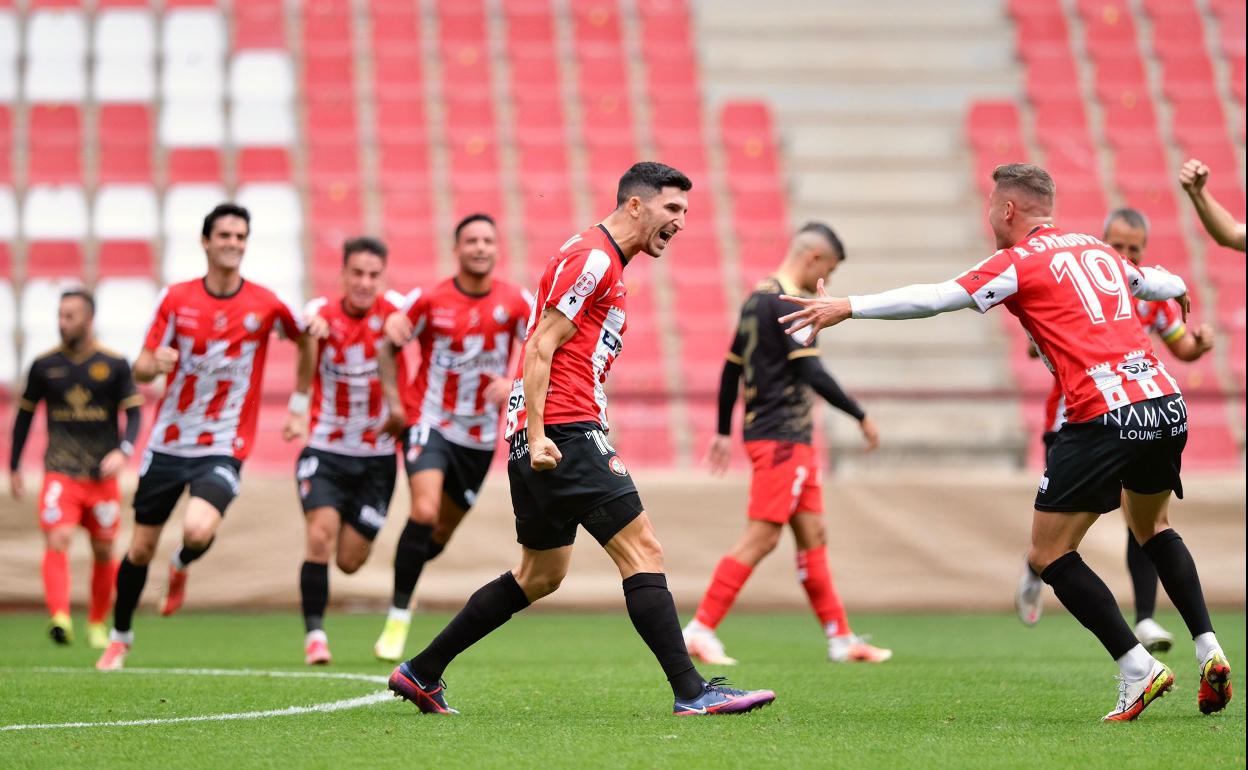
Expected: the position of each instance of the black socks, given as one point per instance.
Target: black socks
(1088, 598)
(416, 547)
(314, 591)
(130, 581)
(653, 613)
(1178, 576)
(1143, 579)
(186, 554)
(490, 607)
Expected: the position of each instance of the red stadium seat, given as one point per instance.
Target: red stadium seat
(596, 21)
(688, 156)
(334, 210)
(1188, 76)
(471, 115)
(399, 74)
(6, 144)
(466, 69)
(607, 117)
(541, 158)
(677, 119)
(121, 259)
(548, 199)
(332, 163)
(54, 259)
(55, 144)
(193, 165)
(993, 125)
(401, 162)
(533, 76)
(259, 24)
(402, 119)
(6, 262)
(331, 118)
(125, 143)
(538, 120)
(263, 164)
(328, 72)
(1199, 121)
(474, 153)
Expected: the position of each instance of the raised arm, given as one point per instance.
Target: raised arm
(553, 330)
(1219, 222)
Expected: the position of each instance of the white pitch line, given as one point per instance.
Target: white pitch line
(317, 708)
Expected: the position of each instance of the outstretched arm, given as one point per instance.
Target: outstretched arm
(1219, 222)
(919, 300)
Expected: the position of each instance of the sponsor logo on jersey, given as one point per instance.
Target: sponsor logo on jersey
(98, 371)
(617, 466)
(374, 323)
(585, 285)
(251, 322)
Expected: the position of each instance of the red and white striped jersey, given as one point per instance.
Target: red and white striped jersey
(1161, 317)
(585, 282)
(1072, 294)
(211, 399)
(465, 343)
(348, 410)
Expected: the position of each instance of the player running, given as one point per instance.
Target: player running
(563, 471)
(346, 472)
(1126, 421)
(1126, 230)
(467, 326)
(209, 338)
(779, 374)
(85, 387)
(1219, 223)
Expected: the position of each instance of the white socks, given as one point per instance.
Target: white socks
(403, 616)
(696, 627)
(125, 637)
(177, 560)
(1136, 664)
(318, 634)
(1205, 644)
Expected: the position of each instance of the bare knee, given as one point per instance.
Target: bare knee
(539, 583)
(320, 544)
(59, 539)
(1040, 557)
(198, 536)
(755, 544)
(140, 553)
(424, 509)
(102, 550)
(350, 564)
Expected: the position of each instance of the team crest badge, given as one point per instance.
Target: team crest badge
(251, 322)
(585, 285)
(500, 314)
(374, 323)
(617, 466)
(98, 371)
(219, 321)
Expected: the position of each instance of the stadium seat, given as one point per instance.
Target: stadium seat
(56, 50)
(403, 163)
(54, 212)
(185, 206)
(262, 75)
(263, 164)
(993, 125)
(538, 121)
(275, 260)
(10, 45)
(401, 119)
(125, 212)
(55, 141)
(331, 119)
(125, 50)
(116, 259)
(1198, 121)
(399, 75)
(124, 307)
(262, 122)
(275, 209)
(8, 325)
(196, 30)
(125, 143)
(8, 218)
(328, 74)
(191, 123)
(193, 165)
(38, 317)
(55, 259)
(259, 24)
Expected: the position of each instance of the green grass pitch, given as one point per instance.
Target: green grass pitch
(581, 690)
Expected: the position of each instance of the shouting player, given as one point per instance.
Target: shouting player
(209, 338)
(346, 472)
(1126, 421)
(466, 327)
(779, 373)
(1126, 230)
(564, 473)
(85, 387)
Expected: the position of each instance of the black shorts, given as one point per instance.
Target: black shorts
(162, 477)
(358, 488)
(463, 469)
(590, 487)
(1138, 447)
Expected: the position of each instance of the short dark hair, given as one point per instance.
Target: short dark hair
(225, 210)
(1134, 218)
(366, 244)
(81, 294)
(647, 178)
(826, 233)
(1027, 178)
(476, 217)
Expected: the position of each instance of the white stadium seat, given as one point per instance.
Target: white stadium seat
(192, 75)
(8, 307)
(192, 123)
(54, 212)
(262, 123)
(183, 259)
(56, 50)
(8, 214)
(201, 30)
(260, 74)
(10, 46)
(123, 309)
(276, 262)
(125, 33)
(56, 79)
(186, 205)
(120, 79)
(125, 212)
(40, 300)
(275, 209)
(8, 327)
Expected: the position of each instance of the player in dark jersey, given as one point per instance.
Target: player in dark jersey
(467, 327)
(563, 471)
(779, 375)
(1126, 420)
(1126, 230)
(84, 387)
(208, 339)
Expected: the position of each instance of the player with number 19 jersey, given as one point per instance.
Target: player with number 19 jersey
(1059, 285)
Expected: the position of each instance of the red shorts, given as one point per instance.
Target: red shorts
(785, 480)
(67, 501)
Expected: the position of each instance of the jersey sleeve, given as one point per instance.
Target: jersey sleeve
(160, 331)
(36, 387)
(127, 394)
(580, 279)
(524, 312)
(991, 282)
(314, 307)
(288, 321)
(416, 308)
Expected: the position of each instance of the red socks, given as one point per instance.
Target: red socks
(816, 578)
(56, 581)
(103, 579)
(730, 575)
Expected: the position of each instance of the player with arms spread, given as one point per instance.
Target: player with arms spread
(779, 374)
(1126, 421)
(346, 472)
(209, 339)
(563, 471)
(467, 327)
(1126, 230)
(85, 387)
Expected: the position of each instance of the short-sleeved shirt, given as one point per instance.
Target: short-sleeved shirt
(465, 343)
(84, 393)
(348, 411)
(211, 400)
(1072, 294)
(778, 402)
(585, 282)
